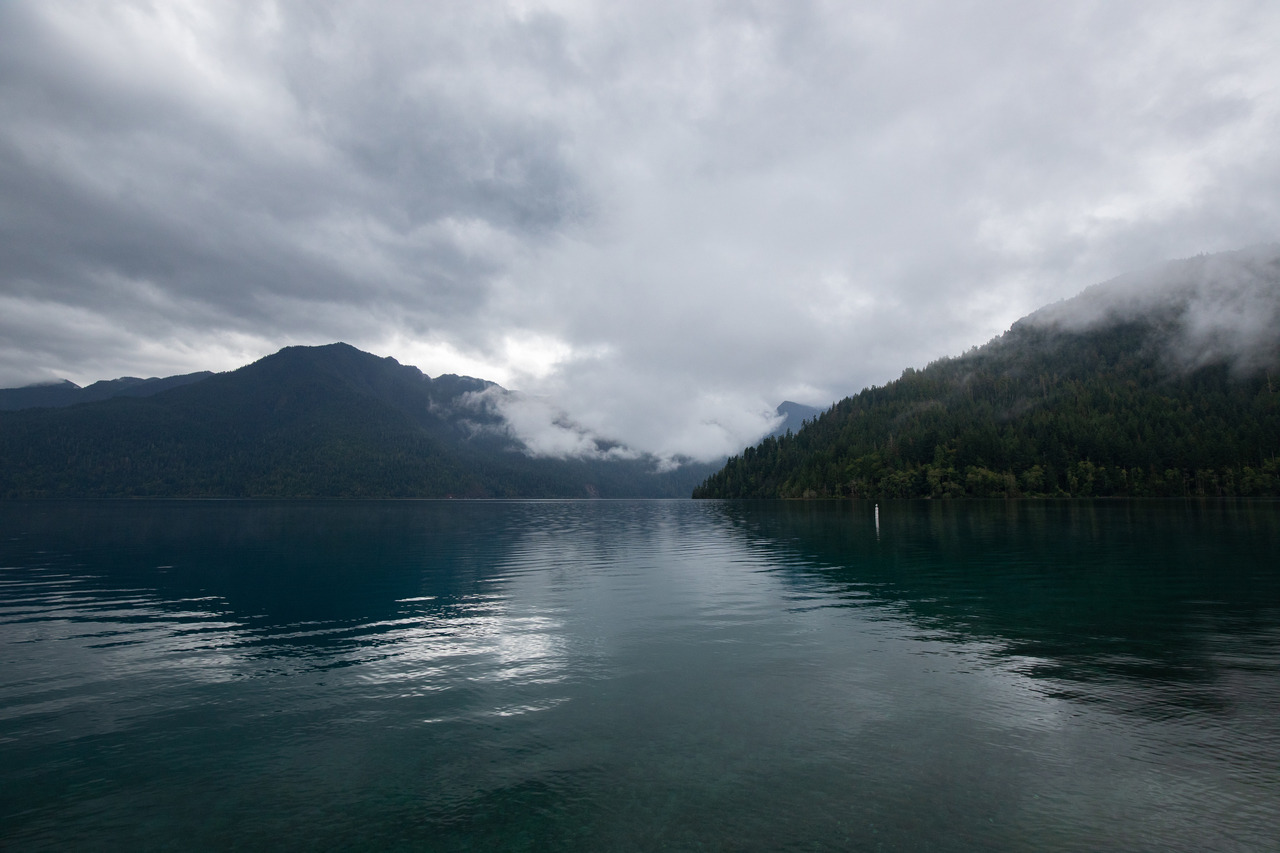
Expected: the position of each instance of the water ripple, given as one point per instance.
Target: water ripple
(634, 675)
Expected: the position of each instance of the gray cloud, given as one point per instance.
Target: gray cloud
(284, 179)
(666, 217)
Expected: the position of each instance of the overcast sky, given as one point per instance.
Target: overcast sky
(667, 217)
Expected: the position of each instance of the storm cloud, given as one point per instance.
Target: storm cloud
(664, 217)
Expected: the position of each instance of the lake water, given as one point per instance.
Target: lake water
(670, 675)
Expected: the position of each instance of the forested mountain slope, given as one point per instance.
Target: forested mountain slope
(328, 421)
(1163, 383)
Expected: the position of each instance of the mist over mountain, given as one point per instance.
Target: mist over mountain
(1212, 309)
(1165, 382)
(329, 421)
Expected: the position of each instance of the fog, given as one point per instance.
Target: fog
(1222, 308)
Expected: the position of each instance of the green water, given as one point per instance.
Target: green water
(661, 675)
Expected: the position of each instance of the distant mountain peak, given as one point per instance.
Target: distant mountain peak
(304, 422)
(793, 417)
(50, 383)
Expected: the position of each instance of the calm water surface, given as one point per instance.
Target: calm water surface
(640, 676)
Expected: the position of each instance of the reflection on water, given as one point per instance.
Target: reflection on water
(1127, 588)
(640, 675)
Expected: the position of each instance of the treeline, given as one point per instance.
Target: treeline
(1034, 413)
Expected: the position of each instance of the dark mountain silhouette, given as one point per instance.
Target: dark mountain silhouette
(64, 393)
(1160, 383)
(327, 421)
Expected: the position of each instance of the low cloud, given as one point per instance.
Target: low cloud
(544, 429)
(1222, 308)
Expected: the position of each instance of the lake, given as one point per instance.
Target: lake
(647, 675)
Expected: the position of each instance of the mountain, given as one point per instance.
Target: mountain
(1160, 383)
(793, 417)
(63, 393)
(327, 421)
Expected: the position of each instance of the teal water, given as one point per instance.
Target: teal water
(665, 675)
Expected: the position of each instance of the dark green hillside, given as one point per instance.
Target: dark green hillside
(1047, 409)
(326, 421)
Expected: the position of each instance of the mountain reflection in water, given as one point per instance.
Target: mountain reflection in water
(640, 675)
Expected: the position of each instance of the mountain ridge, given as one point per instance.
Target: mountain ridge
(1158, 383)
(60, 393)
(328, 421)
